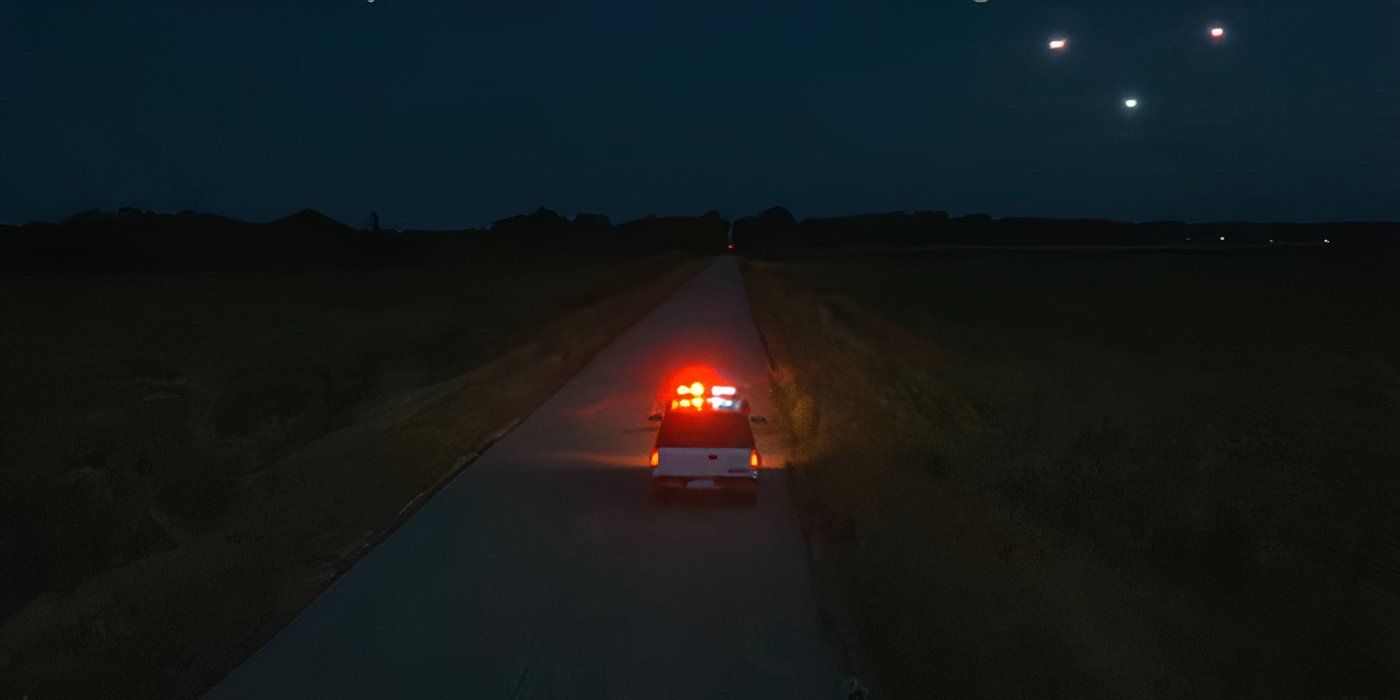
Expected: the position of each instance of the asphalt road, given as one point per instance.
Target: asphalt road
(543, 571)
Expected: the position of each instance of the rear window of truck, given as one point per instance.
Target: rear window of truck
(707, 429)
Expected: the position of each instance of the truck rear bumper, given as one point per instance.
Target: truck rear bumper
(735, 484)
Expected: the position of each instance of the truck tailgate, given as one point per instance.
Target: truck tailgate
(707, 462)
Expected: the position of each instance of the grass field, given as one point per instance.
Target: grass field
(189, 458)
(1093, 473)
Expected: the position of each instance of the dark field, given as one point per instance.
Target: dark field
(1096, 473)
(188, 458)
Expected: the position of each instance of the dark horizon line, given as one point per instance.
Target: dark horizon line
(611, 221)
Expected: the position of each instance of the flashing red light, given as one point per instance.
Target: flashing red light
(655, 457)
(753, 459)
(731, 246)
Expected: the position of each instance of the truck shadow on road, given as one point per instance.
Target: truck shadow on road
(701, 499)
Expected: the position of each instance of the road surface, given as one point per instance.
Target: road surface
(543, 571)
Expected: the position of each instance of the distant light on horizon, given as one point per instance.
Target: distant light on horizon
(1130, 103)
(1057, 44)
(1216, 32)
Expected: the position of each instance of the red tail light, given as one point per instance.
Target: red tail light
(753, 459)
(656, 457)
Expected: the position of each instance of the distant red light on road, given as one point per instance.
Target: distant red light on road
(731, 246)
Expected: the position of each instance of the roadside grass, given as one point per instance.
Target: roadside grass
(1091, 473)
(189, 458)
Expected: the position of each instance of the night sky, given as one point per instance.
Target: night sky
(453, 114)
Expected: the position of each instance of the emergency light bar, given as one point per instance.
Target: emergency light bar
(698, 389)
